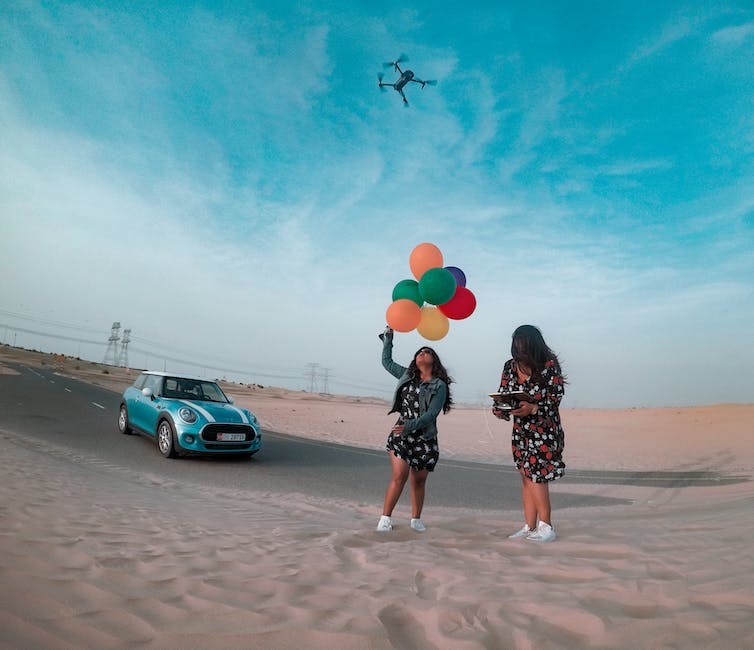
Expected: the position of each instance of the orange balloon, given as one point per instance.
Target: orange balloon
(434, 324)
(403, 315)
(424, 257)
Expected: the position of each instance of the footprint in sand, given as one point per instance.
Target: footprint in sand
(403, 630)
(426, 588)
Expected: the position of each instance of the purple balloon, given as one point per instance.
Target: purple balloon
(458, 275)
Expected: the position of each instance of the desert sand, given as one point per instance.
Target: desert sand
(91, 557)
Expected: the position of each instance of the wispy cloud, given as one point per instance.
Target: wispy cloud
(633, 167)
(677, 29)
(733, 36)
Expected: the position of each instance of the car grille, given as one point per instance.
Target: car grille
(227, 446)
(209, 433)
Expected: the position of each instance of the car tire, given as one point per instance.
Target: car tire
(249, 454)
(123, 425)
(166, 439)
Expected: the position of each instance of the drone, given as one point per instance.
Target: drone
(405, 77)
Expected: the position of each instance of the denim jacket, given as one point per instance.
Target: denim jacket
(432, 395)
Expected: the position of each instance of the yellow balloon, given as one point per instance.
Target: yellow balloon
(433, 324)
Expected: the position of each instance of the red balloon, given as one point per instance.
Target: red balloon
(460, 306)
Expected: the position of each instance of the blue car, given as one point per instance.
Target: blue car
(187, 415)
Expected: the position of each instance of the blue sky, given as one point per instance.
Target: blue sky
(227, 180)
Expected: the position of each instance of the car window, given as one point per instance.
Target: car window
(155, 383)
(139, 383)
(184, 388)
(212, 392)
(171, 388)
(190, 389)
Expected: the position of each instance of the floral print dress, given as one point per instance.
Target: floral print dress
(419, 453)
(537, 441)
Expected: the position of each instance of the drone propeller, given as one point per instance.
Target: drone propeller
(392, 64)
(431, 82)
(380, 77)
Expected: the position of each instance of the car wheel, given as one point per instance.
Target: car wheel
(123, 426)
(166, 439)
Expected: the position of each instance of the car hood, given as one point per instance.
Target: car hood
(215, 411)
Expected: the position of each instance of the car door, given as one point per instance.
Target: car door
(144, 411)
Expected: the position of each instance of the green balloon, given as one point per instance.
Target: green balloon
(409, 290)
(437, 286)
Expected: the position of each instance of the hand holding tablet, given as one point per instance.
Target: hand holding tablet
(509, 401)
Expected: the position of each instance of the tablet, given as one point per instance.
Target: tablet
(508, 401)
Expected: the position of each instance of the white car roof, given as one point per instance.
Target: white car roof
(162, 373)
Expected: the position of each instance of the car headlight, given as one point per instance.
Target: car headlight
(187, 415)
(252, 417)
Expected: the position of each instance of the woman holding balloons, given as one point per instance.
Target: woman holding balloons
(423, 391)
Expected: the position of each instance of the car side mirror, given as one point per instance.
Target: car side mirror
(147, 392)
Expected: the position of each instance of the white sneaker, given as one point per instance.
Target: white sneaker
(385, 523)
(521, 533)
(544, 533)
(418, 526)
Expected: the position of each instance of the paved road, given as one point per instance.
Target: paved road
(42, 404)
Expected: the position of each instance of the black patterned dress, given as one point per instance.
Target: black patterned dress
(538, 440)
(420, 454)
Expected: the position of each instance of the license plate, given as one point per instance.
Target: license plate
(231, 437)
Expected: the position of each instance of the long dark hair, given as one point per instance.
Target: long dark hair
(438, 370)
(528, 348)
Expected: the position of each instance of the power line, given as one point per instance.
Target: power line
(47, 321)
(175, 359)
(178, 357)
(314, 373)
(54, 336)
(199, 364)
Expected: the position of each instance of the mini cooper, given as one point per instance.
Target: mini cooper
(186, 415)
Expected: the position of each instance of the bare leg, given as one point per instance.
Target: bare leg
(418, 483)
(536, 497)
(530, 507)
(400, 472)
(540, 493)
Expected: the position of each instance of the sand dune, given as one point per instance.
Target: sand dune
(92, 556)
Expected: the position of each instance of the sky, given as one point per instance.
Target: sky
(227, 180)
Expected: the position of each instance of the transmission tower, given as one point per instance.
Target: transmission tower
(123, 359)
(111, 354)
(311, 373)
(325, 377)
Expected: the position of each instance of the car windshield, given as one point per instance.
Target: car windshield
(194, 389)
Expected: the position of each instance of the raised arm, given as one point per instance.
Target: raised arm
(391, 366)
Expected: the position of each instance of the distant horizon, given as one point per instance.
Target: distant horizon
(385, 397)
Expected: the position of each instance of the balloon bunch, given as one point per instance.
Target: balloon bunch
(437, 294)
